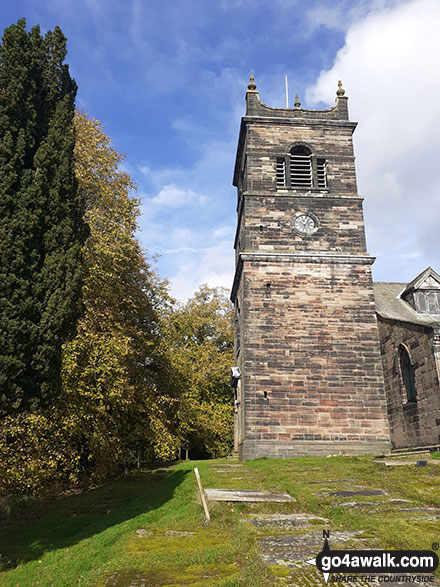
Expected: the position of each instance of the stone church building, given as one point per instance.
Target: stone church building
(326, 362)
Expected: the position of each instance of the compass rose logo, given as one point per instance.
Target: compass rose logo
(325, 551)
(373, 562)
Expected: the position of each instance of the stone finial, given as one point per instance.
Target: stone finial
(297, 102)
(340, 92)
(252, 87)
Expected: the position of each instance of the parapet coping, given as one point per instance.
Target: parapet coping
(302, 257)
(312, 256)
(299, 121)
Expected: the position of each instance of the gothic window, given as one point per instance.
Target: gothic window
(301, 169)
(407, 374)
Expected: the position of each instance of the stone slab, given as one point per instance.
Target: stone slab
(234, 472)
(282, 520)
(357, 504)
(289, 549)
(161, 577)
(420, 509)
(352, 492)
(397, 463)
(142, 532)
(232, 466)
(367, 504)
(247, 495)
(399, 501)
(234, 478)
(331, 481)
(407, 453)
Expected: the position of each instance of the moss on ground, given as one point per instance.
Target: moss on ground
(86, 539)
(196, 575)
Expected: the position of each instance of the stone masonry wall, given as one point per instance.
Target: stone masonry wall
(269, 225)
(311, 343)
(306, 337)
(266, 142)
(411, 424)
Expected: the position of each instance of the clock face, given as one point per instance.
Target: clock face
(305, 224)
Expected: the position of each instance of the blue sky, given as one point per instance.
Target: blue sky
(168, 80)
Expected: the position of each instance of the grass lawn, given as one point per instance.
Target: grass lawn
(85, 539)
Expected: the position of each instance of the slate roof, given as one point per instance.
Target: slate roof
(390, 305)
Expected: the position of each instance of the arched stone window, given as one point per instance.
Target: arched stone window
(301, 169)
(407, 374)
(301, 175)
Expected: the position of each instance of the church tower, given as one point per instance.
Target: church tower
(308, 372)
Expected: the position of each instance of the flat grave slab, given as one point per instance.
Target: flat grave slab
(290, 549)
(331, 481)
(352, 492)
(163, 577)
(283, 520)
(231, 466)
(412, 463)
(235, 472)
(367, 504)
(399, 501)
(420, 509)
(357, 504)
(247, 495)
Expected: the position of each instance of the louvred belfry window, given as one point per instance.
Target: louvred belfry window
(281, 172)
(301, 170)
(321, 174)
(301, 167)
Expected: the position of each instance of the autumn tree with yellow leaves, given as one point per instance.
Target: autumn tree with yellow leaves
(142, 372)
(109, 405)
(110, 368)
(198, 344)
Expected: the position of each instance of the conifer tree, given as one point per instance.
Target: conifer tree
(41, 228)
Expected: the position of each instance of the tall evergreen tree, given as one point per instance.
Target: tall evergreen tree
(41, 216)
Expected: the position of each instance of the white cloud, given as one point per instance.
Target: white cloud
(214, 266)
(389, 66)
(171, 196)
(182, 250)
(226, 231)
(190, 222)
(339, 15)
